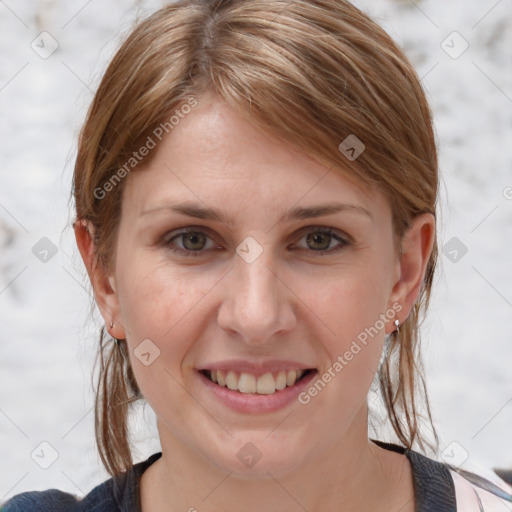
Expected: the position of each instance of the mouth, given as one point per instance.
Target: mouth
(247, 383)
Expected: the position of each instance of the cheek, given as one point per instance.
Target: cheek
(349, 303)
(159, 309)
(159, 303)
(353, 306)
(154, 296)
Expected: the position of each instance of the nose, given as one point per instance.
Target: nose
(258, 303)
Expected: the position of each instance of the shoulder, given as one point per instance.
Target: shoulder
(41, 501)
(117, 494)
(101, 499)
(475, 493)
(442, 487)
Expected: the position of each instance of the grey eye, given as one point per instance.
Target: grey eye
(319, 240)
(194, 240)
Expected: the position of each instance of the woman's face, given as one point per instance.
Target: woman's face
(259, 289)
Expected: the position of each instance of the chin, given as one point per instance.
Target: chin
(256, 455)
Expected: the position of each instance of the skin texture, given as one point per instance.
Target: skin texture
(290, 303)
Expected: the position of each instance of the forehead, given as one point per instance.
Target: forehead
(216, 157)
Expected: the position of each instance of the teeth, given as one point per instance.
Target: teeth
(231, 381)
(247, 383)
(281, 380)
(291, 377)
(266, 385)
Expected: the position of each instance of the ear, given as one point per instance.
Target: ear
(416, 248)
(103, 285)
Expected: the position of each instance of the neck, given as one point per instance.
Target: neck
(353, 475)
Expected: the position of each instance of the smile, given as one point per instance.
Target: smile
(254, 402)
(266, 384)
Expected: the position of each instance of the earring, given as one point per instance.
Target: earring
(397, 324)
(117, 342)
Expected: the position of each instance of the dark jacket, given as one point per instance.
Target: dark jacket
(433, 486)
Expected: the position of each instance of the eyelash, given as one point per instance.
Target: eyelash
(311, 229)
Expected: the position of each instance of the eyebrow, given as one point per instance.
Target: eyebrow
(298, 213)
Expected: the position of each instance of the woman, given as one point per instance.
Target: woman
(255, 188)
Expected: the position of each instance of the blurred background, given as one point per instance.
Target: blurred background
(52, 55)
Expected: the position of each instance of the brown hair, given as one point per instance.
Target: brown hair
(307, 72)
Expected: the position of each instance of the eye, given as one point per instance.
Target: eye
(194, 242)
(192, 239)
(319, 240)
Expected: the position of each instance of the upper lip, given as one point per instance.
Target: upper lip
(269, 366)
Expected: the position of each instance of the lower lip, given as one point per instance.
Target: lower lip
(255, 403)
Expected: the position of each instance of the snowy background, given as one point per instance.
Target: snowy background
(47, 341)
